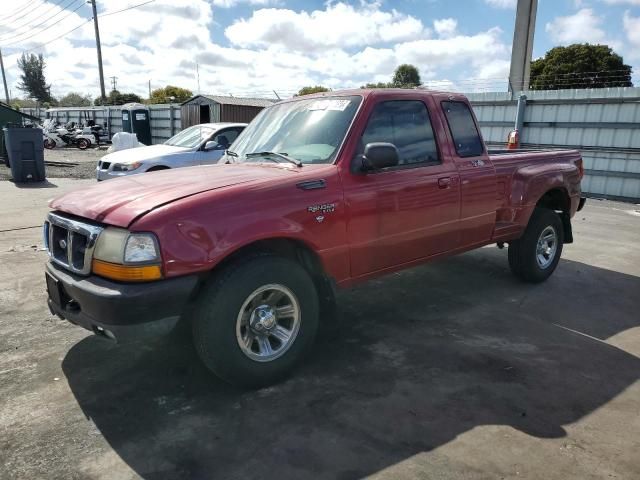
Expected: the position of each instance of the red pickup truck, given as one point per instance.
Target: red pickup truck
(318, 192)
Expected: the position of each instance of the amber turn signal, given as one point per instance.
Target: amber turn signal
(126, 273)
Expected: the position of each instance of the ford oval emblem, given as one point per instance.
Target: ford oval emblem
(63, 244)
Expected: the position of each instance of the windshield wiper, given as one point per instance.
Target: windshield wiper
(282, 156)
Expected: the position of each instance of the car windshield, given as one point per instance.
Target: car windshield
(190, 137)
(309, 130)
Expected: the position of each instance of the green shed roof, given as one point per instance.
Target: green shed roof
(8, 115)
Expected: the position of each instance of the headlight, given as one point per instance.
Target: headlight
(141, 248)
(126, 167)
(125, 256)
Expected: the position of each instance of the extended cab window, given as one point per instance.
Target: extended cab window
(463, 129)
(406, 124)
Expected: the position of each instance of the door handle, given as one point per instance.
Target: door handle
(444, 182)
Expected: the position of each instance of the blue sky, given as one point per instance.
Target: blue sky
(252, 47)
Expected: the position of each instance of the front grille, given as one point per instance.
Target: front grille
(70, 242)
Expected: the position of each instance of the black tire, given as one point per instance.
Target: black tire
(157, 169)
(218, 307)
(524, 251)
(49, 144)
(83, 143)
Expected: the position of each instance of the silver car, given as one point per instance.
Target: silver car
(202, 144)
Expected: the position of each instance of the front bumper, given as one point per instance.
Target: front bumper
(119, 311)
(107, 174)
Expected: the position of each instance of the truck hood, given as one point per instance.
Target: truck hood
(140, 154)
(120, 201)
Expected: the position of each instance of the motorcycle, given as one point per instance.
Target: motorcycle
(58, 136)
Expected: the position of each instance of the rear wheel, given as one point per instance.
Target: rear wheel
(255, 321)
(83, 143)
(535, 256)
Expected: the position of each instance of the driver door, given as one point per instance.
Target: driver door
(408, 212)
(223, 140)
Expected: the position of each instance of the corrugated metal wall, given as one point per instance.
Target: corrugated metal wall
(238, 113)
(165, 119)
(604, 124)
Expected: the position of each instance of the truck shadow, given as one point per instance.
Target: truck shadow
(423, 357)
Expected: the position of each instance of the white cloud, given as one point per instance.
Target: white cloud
(446, 27)
(459, 50)
(339, 25)
(340, 45)
(502, 3)
(233, 3)
(583, 26)
(632, 30)
(623, 2)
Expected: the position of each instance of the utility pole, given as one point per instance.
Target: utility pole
(4, 80)
(522, 45)
(103, 95)
(198, 75)
(114, 82)
(149, 89)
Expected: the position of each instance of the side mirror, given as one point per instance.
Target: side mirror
(210, 145)
(380, 155)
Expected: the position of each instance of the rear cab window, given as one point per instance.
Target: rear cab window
(406, 124)
(466, 137)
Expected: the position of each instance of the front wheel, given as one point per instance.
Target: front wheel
(535, 255)
(255, 321)
(49, 144)
(83, 143)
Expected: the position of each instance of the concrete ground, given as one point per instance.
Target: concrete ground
(451, 370)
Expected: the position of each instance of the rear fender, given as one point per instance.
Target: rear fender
(530, 184)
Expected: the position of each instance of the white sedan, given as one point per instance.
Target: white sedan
(202, 144)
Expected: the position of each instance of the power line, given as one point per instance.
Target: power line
(26, 23)
(18, 11)
(106, 14)
(44, 44)
(38, 47)
(29, 34)
(35, 9)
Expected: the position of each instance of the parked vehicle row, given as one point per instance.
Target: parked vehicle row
(318, 192)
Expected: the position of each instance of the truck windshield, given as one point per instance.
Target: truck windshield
(309, 130)
(190, 137)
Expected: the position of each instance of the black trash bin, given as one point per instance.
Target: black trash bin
(25, 150)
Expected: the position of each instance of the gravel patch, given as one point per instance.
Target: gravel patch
(65, 163)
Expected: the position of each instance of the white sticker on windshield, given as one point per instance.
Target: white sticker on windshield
(339, 105)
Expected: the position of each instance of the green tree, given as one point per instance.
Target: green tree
(163, 95)
(377, 85)
(73, 99)
(406, 76)
(32, 79)
(579, 66)
(310, 90)
(19, 103)
(115, 97)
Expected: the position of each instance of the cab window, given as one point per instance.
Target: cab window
(463, 129)
(406, 124)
